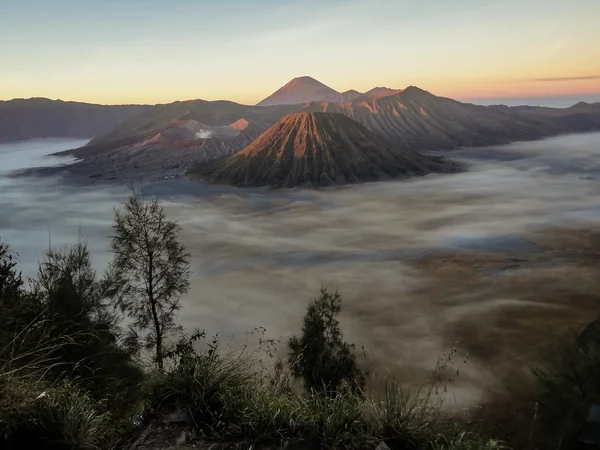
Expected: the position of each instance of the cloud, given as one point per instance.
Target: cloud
(585, 77)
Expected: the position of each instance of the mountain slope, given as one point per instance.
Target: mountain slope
(317, 149)
(161, 139)
(173, 138)
(300, 90)
(419, 119)
(32, 118)
(209, 113)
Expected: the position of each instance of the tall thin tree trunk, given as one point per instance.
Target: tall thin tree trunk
(159, 358)
(157, 330)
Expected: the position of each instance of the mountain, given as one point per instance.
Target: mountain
(32, 118)
(379, 92)
(300, 90)
(420, 120)
(317, 149)
(208, 113)
(347, 96)
(175, 137)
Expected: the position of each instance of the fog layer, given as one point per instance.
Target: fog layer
(469, 260)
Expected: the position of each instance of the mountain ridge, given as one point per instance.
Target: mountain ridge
(174, 137)
(40, 117)
(412, 119)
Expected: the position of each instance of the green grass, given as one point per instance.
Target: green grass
(72, 419)
(230, 400)
(53, 417)
(466, 441)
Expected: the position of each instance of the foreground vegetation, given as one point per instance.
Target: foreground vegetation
(73, 377)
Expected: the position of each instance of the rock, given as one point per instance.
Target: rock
(382, 446)
(178, 416)
(181, 439)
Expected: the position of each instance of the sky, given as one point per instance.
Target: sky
(159, 51)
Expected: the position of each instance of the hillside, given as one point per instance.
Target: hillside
(32, 118)
(301, 90)
(317, 149)
(419, 119)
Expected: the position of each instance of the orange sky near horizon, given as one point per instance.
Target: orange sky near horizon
(156, 51)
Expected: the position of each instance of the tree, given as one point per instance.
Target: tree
(151, 270)
(320, 356)
(10, 278)
(77, 316)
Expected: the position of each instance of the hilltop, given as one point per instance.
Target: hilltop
(317, 149)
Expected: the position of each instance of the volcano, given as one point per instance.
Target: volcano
(318, 149)
(300, 90)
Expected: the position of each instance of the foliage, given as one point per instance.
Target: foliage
(320, 357)
(402, 417)
(566, 387)
(60, 330)
(466, 441)
(61, 339)
(229, 400)
(151, 271)
(10, 278)
(34, 414)
(201, 383)
(76, 303)
(73, 419)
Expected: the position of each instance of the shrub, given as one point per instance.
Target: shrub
(18, 412)
(567, 386)
(338, 422)
(36, 415)
(268, 416)
(71, 418)
(202, 383)
(402, 417)
(76, 305)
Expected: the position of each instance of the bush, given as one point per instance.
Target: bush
(567, 386)
(202, 384)
(339, 421)
(72, 419)
(35, 415)
(18, 413)
(401, 417)
(61, 331)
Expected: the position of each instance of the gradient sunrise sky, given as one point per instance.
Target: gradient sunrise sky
(156, 51)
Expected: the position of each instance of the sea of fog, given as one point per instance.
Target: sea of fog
(257, 256)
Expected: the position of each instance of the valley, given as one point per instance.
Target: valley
(294, 225)
(482, 260)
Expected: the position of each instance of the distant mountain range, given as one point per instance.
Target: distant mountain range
(22, 119)
(307, 89)
(179, 136)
